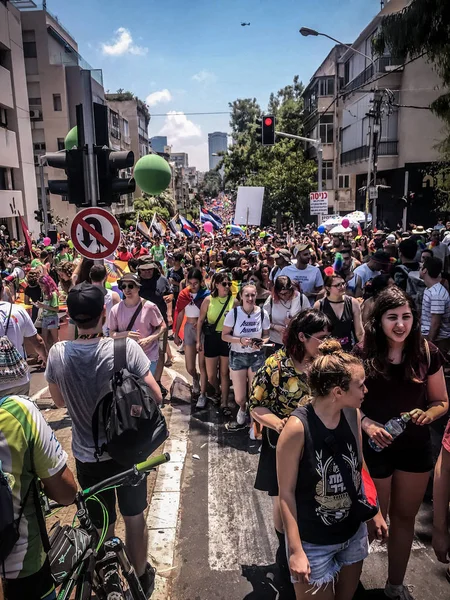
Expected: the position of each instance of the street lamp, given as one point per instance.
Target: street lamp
(306, 31)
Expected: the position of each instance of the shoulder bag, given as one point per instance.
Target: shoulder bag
(210, 328)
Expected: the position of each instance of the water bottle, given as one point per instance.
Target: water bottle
(395, 427)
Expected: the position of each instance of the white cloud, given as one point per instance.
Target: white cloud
(123, 44)
(178, 128)
(204, 77)
(162, 96)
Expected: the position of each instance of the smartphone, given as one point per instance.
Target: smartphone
(257, 341)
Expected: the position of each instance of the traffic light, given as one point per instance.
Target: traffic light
(72, 187)
(39, 215)
(265, 130)
(111, 185)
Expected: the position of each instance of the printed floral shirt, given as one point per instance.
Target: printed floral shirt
(278, 386)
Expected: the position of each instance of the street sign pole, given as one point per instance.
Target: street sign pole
(43, 193)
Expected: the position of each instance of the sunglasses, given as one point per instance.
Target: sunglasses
(339, 285)
(324, 339)
(285, 289)
(225, 283)
(129, 286)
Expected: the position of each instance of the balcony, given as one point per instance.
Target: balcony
(8, 149)
(362, 153)
(381, 65)
(6, 96)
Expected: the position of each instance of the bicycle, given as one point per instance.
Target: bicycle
(82, 559)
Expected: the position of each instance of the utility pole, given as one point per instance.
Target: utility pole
(377, 101)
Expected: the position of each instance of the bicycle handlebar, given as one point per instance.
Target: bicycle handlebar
(152, 463)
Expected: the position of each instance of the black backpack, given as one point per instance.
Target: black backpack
(133, 422)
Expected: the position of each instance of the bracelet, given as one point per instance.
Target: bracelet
(362, 419)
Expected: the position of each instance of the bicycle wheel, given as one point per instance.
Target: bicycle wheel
(120, 570)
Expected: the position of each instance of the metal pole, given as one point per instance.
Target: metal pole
(405, 208)
(369, 177)
(89, 135)
(43, 193)
(319, 176)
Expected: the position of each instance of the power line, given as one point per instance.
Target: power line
(170, 114)
(410, 106)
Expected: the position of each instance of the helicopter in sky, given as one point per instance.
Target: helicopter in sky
(245, 24)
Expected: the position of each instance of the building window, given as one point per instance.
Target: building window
(39, 146)
(327, 170)
(326, 86)
(343, 182)
(57, 104)
(126, 128)
(3, 117)
(326, 129)
(60, 143)
(29, 50)
(35, 101)
(36, 160)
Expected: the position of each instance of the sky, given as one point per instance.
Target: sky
(195, 57)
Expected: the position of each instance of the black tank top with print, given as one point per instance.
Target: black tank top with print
(343, 328)
(323, 504)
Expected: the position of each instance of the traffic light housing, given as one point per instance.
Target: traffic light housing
(39, 215)
(111, 185)
(71, 188)
(265, 130)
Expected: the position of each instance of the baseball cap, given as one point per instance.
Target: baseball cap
(85, 302)
(282, 252)
(381, 257)
(390, 238)
(302, 247)
(147, 262)
(130, 278)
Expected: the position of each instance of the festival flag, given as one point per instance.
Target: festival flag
(174, 225)
(143, 229)
(205, 217)
(215, 217)
(158, 225)
(187, 227)
(26, 235)
(235, 230)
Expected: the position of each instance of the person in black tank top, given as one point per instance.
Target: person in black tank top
(324, 536)
(343, 311)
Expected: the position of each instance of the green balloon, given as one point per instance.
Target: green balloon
(152, 174)
(71, 138)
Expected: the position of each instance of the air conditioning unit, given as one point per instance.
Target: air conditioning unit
(35, 114)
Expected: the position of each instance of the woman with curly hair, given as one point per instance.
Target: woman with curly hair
(50, 309)
(404, 375)
(65, 271)
(278, 388)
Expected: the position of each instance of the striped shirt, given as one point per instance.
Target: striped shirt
(436, 301)
(28, 447)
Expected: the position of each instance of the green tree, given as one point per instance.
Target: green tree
(146, 207)
(211, 184)
(281, 169)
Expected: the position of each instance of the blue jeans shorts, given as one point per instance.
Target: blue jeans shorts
(241, 361)
(326, 561)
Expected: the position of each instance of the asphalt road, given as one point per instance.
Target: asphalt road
(225, 546)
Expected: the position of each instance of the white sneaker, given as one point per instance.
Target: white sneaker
(195, 387)
(397, 592)
(241, 417)
(201, 402)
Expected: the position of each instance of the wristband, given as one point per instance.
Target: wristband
(362, 419)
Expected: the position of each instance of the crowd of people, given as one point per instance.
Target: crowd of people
(311, 342)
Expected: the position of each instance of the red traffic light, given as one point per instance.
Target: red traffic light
(268, 122)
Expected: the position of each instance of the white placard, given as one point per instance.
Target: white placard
(318, 203)
(249, 206)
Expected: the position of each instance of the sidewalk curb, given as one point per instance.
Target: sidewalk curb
(163, 513)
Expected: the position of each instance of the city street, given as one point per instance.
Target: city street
(211, 533)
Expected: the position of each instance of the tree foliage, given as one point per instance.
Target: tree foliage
(211, 184)
(282, 169)
(422, 27)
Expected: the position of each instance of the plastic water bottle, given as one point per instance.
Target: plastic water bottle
(395, 427)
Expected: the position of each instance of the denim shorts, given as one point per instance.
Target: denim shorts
(241, 361)
(50, 322)
(326, 561)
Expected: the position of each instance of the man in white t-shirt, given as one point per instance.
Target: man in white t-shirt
(308, 277)
(16, 324)
(435, 319)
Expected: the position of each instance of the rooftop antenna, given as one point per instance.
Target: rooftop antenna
(382, 4)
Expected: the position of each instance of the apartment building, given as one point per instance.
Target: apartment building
(120, 140)
(158, 143)
(18, 193)
(322, 117)
(408, 138)
(134, 112)
(181, 159)
(53, 68)
(217, 143)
